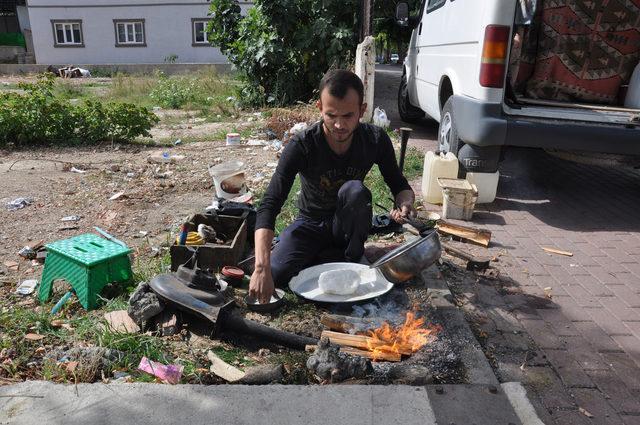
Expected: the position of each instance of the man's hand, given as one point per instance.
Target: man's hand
(261, 286)
(404, 200)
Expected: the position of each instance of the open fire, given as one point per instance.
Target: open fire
(405, 339)
(379, 340)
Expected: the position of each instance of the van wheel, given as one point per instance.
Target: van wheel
(448, 140)
(408, 112)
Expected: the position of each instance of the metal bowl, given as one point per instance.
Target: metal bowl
(277, 301)
(409, 259)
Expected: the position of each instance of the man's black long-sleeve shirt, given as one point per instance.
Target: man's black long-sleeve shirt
(323, 172)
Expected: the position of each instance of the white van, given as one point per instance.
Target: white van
(455, 72)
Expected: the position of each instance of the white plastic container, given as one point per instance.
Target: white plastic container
(435, 166)
(632, 100)
(487, 184)
(228, 179)
(233, 139)
(459, 198)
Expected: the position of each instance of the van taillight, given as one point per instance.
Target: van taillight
(494, 56)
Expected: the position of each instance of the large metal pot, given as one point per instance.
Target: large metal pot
(406, 261)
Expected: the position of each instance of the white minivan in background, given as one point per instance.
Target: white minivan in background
(455, 72)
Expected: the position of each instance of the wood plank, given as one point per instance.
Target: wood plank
(389, 357)
(358, 341)
(223, 369)
(479, 236)
(347, 324)
(557, 251)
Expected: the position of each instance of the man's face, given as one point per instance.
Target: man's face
(340, 116)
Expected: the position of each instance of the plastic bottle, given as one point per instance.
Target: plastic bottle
(487, 184)
(437, 164)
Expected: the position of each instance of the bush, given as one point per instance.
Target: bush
(283, 47)
(174, 92)
(39, 117)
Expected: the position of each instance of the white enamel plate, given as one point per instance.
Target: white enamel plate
(372, 284)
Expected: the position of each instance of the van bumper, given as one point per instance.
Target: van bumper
(485, 124)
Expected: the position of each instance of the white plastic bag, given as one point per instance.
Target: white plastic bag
(380, 118)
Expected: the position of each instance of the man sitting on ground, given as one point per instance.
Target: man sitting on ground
(332, 158)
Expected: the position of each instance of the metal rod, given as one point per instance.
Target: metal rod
(405, 133)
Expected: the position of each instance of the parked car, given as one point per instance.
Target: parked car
(455, 72)
(394, 58)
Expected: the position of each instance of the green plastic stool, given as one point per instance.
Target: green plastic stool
(88, 262)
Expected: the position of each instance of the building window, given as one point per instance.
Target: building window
(129, 32)
(199, 31)
(67, 33)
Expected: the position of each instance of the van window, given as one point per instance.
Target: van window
(435, 4)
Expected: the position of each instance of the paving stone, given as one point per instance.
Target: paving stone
(607, 321)
(597, 337)
(569, 369)
(586, 355)
(571, 309)
(625, 294)
(570, 417)
(593, 401)
(630, 419)
(625, 368)
(635, 328)
(549, 388)
(542, 334)
(559, 322)
(581, 295)
(631, 345)
(594, 286)
(620, 309)
(603, 275)
(615, 391)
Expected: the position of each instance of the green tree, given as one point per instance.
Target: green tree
(283, 47)
(390, 35)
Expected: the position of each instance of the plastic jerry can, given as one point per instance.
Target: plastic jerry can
(487, 184)
(437, 165)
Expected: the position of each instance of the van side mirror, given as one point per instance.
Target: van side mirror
(402, 14)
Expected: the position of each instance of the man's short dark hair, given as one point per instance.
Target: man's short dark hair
(339, 81)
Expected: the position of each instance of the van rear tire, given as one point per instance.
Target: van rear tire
(408, 112)
(448, 140)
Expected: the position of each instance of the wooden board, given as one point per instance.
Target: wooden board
(479, 236)
(223, 369)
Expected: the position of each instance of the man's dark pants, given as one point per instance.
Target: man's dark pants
(309, 241)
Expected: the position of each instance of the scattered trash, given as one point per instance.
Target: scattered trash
(71, 218)
(63, 300)
(557, 251)
(380, 118)
(228, 179)
(177, 142)
(33, 337)
(164, 158)
(27, 287)
(156, 108)
(272, 164)
(170, 374)
(65, 228)
(27, 252)
(223, 369)
(256, 142)
(233, 139)
(116, 196)
(243, 199)
(120, 321)
(547, 292)
(19, 203)
(298, 128)
(585, 412)
(77, 170)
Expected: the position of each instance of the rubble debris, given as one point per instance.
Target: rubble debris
(144, 304)
(557, 251)
(170, 374)
(223, 369)
(164, 158)
(72, 218)
(12, 266)
(262, 375)
(33, 337)
(27, 287)
(120, 321)
(27, 252)
(474, 263)
(19, 203)
(585, 412)
(77, 170)
(330, 365)
(169, 322)
(117, 196)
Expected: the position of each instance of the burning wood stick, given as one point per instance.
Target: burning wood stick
(347, 325)
(363, 342)
(388, 357)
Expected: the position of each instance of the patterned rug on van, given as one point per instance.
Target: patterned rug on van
(586, 49)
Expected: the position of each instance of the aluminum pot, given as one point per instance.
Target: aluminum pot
(409, 259)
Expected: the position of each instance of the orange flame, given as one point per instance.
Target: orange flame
(405, 339)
